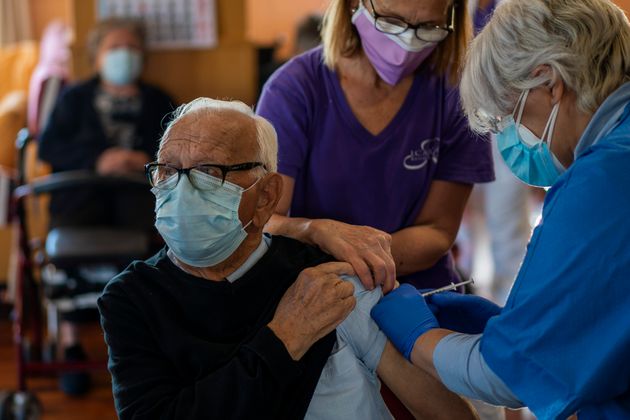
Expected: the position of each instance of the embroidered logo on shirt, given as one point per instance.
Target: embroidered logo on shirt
(418, 159)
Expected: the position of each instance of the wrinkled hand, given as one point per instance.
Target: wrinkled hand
(467, 314)
(368, 250)
(313, 306)
(403, 315)
(119, 161)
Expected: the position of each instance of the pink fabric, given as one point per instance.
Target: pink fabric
(54, 62)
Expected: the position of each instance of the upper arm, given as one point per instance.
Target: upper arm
(359, 330)
(286, 102)
(444, 207)
(60, 126)
(464, 156)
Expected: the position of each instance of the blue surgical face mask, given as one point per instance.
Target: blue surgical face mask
(200, 226)
(529, 157)
(121, 66)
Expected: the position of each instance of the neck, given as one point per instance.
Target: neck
(358, 69)
(225, 268)
(119, 90)
(579, 122)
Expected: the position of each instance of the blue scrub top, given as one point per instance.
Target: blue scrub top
(562, 342)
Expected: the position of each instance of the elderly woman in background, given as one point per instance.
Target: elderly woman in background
(377, 157)
(552, 78)
(109, 124)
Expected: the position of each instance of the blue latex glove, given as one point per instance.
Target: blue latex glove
(466, 314)
(403, 315)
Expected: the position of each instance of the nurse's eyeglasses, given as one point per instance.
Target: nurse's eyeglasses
(165, 177)
(423, 31)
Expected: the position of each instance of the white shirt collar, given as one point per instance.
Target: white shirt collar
(254, 257)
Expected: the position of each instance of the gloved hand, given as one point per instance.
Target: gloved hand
(467, 314)
(403, 315)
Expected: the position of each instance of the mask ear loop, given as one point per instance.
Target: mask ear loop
(551, 123)
(520, 106)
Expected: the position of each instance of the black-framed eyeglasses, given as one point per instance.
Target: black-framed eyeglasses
(423, 31)
(165, 177)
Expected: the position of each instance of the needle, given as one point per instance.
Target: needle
(451, 286)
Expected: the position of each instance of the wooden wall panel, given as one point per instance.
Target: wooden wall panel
(625, 5)
(272, 20)
(227, 71)
(45, 11)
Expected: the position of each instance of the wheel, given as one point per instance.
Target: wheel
(26, 406)
(6, 402)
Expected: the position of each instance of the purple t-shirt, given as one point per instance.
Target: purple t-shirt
(345, 173)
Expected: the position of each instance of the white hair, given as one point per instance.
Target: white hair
(266, 136)
(585, 43)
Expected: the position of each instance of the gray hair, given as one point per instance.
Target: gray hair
(266, 136)
(105, 26)
(586, 43)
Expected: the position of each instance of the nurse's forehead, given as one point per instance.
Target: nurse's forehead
(413, 11)
(223, 137)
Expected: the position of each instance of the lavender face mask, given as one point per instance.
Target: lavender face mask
(393, 56)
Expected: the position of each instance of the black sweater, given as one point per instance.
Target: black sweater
(184, 347)
(74, 137)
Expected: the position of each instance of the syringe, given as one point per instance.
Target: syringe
(451, 286)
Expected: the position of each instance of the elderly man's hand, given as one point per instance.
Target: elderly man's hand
(313, 306)
(368, 250)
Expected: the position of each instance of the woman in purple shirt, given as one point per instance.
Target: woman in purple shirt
(377, 157)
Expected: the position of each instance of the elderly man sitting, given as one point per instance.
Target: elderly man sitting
(226, 322)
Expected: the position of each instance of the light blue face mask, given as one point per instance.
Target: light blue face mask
(200, 226)
(121, 66)
(527, 156)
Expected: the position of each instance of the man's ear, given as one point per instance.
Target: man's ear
(269, 195)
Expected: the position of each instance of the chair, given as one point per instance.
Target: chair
(64, 247)
(44, 256)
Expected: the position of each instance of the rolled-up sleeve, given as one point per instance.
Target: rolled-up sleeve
(461, 367)
(359, 330)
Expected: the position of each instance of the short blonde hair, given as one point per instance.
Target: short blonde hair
(586, 43)
(266, 136)
(341, 39)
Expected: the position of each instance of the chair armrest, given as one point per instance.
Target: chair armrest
(82, 178)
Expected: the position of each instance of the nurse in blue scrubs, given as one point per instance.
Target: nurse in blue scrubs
(552, 79)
